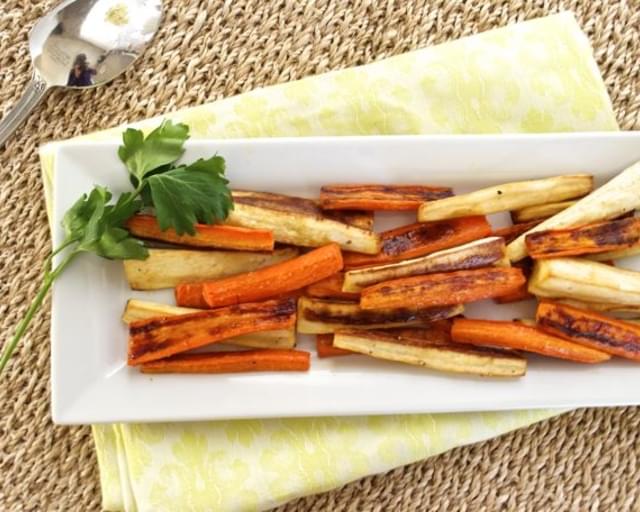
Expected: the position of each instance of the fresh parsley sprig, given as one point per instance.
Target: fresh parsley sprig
(182, 195)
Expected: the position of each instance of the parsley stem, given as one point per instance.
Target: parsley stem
(47, 281)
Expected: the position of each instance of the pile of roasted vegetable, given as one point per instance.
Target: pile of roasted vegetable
(283, 265)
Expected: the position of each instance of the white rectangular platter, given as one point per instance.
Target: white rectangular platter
(91, 382)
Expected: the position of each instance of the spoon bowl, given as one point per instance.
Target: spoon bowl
(82, 44)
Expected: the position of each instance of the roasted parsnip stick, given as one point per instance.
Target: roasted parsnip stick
(540, 211)
(508, 196)
(454, 358)
(318, 316)
(584, 280)
(479, 253)
(298, 221)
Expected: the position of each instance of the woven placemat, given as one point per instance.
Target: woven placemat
(210, 49)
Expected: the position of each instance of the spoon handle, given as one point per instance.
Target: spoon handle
(32, 95)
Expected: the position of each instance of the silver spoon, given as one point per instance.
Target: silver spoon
(81, 44)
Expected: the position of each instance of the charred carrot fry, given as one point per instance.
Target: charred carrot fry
(274, 280)
(595, 238)
(522, 293)
(331, 288)
(265, 360)
(510, 233)
(325, 348)
(164, 336)
(591, 329)
(516, 335)
(212, 236)
(420, 239)
(443, 289)
(379, 197)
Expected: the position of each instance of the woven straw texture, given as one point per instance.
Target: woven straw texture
(209, 49)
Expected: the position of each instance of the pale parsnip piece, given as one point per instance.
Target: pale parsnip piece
(617, 197)
(167, 268)
(476, 254)
(508, 196)
(615, 255)
(539, 211)
(449, 358)
(298, 221)
(141, 310)
(318, 316)
(584, 280)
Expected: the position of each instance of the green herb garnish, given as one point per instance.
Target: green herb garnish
(182, 196)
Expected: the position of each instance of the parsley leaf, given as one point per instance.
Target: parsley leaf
(161, 147)
(78, 216)
(98, 226)
(190, 194)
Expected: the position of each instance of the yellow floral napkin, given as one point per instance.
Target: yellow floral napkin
(532, 77)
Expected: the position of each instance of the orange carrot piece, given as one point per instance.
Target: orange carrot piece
(265, 360)
(160, 337)
(331, 288)
(420, 239)
(510, 233)
(443, 289)
(190, 296)
(325, 348)
(211, 236)
(591, 329)
(273, 280)
(591, 239)
(379, 197)
(522, 293)
(516, 335)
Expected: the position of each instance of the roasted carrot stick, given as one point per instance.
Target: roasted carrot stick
(331, 288)
(190, 296)
(274, 280)
(442, 289)
(265, 360)
(512, 232)
(590, 329)
(522, 293)
(220, 236)
(516, 335)
(595, 238)
(164, 336)
(379, 197)
(420, 239)
(325, 348)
